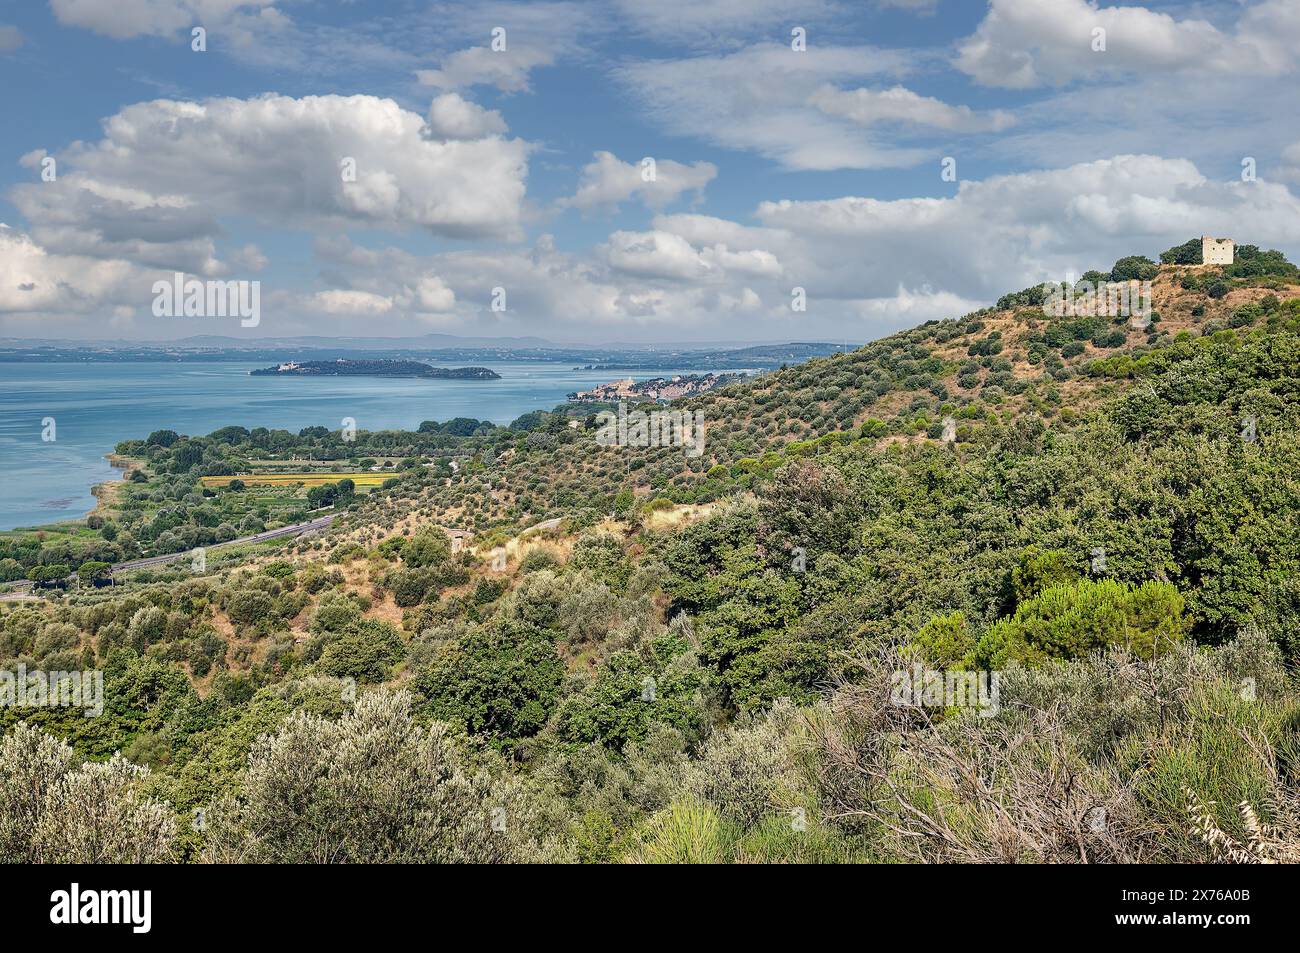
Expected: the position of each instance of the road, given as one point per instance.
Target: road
(297, 529)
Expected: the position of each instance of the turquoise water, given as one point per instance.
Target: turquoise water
(95, 405)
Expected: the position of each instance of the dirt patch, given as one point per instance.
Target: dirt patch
(679, 515)
(387, 610)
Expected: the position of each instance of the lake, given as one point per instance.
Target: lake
(97, 404)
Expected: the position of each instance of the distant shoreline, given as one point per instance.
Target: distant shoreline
(684, 357)
(200, 398)
(105, 489)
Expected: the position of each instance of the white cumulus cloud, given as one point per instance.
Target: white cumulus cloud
(350, 302)
(508, 70)
(451, 116)
(867, 107)
(758, 99)
(1027, 43)
(607, 181)
(155, 188)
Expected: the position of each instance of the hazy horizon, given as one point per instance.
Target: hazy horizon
(433, 339)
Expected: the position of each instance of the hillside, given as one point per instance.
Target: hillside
(990, 366)
(1063, 630)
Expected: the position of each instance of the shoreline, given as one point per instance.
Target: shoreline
(219, 397)
(105, 492)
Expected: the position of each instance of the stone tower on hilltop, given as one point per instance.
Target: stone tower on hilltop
(1216, 251)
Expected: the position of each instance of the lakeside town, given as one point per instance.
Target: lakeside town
(656, 388)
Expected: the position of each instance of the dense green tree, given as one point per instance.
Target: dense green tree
(500, 683)
(1069, 621)
(249, 607)
(634, 691)
(428, 547)
(1134, 268)
(365, 651)
(1188, 253)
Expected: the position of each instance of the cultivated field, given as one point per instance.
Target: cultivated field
(306, 479)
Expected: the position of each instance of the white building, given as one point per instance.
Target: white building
(1216, 251)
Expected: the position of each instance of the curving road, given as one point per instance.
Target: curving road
(297, 529)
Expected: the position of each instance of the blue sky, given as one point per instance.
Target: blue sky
(521, 168)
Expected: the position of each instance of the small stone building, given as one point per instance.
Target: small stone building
(460, 538)
(1216, 251)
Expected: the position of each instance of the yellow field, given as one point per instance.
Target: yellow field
(306, 479)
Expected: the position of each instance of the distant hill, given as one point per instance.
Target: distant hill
(431, 341)
(422, 341)
(441, 348)
(978, 371)
(221, 341)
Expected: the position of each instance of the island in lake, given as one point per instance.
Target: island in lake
(343, 367)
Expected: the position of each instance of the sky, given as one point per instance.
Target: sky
(595, 171)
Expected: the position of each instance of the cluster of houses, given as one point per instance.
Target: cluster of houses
(658, 388)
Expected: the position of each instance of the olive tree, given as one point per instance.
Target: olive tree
(373, 787)
(55, 810)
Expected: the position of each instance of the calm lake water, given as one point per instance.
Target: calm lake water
(95, 405)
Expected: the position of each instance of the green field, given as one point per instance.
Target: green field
(318, 478)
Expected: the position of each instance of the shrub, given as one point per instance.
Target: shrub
(249, 606)
(346, 553)
(873, 428)
(1039, 569)
(366, 651)
(686, 832)
(1072, 620)
(630, 695)
(56, 811)
(409, 586)
(334, 613)
(748, 771)
(374, 787)
(501, 684)
(602, 556)
(426, 548)
(945, 641)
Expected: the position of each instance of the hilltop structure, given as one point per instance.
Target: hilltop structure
(1216, 251)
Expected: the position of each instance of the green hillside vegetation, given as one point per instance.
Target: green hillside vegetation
(696, 663)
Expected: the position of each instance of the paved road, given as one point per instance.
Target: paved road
(24, 591)
(296, 529)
